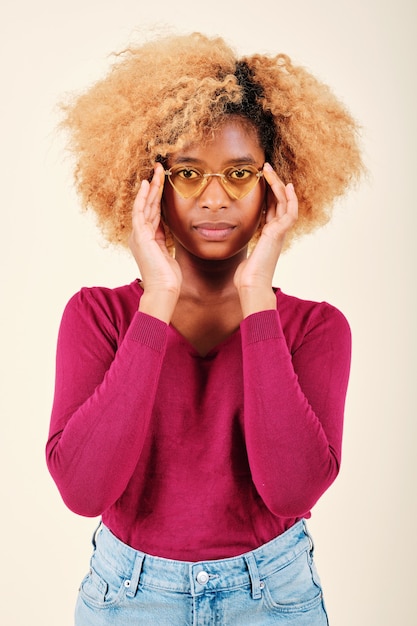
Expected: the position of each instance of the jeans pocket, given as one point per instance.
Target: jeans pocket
(294, 588)
(102, 588)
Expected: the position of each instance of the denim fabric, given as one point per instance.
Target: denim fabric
(274, 584)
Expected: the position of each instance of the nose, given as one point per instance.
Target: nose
(214, 196)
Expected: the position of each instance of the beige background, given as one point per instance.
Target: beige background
(363, 262)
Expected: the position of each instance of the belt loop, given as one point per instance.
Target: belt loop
(309, 537)
(133, 583)
(95, 534)
(254, 576)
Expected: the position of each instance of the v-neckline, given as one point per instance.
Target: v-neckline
(192, 349)
(212, 352)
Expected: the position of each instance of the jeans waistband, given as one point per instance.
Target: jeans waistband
(200, 577)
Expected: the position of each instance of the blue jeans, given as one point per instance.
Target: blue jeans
(274, 584)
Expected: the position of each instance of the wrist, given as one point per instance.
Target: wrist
(160, 304)
(253, 300)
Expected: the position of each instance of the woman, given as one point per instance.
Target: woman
(198, 410)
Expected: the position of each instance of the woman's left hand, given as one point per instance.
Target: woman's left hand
(254, 276)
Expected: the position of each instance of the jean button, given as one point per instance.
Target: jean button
(202, 578)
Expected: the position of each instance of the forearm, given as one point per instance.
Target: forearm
(92, 437)
(293, 441)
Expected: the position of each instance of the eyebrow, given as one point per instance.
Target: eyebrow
(247, 158)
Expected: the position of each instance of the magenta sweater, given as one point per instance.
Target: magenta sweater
(189, 457)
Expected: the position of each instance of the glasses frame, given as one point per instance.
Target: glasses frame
(221, 175)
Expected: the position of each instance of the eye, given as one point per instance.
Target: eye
(241, 174)
(186, 173)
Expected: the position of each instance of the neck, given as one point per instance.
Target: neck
(203, 279)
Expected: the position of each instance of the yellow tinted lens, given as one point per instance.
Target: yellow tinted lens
(186, 181)
(189, 181)
(240, 181)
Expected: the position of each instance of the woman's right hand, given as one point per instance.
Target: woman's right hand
(159, 271)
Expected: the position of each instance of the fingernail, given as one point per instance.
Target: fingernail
(268, 167)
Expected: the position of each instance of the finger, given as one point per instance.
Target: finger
(155, 195)
(139, 204)
(283, 222)
(152, 208)
(147, 204)
(157, 184)
(292, 202)
(160, 238)
(276, 196)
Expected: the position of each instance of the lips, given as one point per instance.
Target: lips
(214, 231)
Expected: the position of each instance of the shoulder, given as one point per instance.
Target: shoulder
(301, 317)
(298, 309)
(106, 298)
(110, 309)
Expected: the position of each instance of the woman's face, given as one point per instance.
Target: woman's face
(213, 225)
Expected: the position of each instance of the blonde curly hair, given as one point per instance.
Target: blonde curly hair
(173, 90)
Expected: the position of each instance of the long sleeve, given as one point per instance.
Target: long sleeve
(104, 395)
(294, 404)
(148, 433)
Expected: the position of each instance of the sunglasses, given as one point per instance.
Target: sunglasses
(189, 182)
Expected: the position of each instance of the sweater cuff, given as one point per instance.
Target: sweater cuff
(148, 331)
(261, 326)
